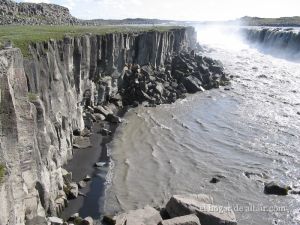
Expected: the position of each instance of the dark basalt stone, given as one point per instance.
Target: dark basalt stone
(276, 189)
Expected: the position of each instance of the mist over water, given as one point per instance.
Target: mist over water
(248, 135)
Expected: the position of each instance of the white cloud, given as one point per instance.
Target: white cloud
(179, 9)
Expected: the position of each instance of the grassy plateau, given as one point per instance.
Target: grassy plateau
(22, 36)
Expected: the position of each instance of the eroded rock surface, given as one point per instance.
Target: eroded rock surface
(49, 99)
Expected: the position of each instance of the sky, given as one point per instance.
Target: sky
(191, 10)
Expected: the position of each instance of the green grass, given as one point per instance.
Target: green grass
(2, 172)
(22, 36)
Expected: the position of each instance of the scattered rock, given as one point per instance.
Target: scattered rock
(81, 142)
(113, 119)
(81, 184)
(73, 217)
(275, 189)
(100, 164)
(99, 117)
(81, 194)
(214, 180)
(295, 192)
(201, 205)
(182, 220)
(67, 176)
(72, 191)
(105, 132)
(109, 220)
(76, 132)
(87, 178)
(85, 132)
(101, 110)
(55, 221)
(192, 84)
(145, 216)
(87, 221)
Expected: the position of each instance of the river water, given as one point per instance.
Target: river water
(247, 135)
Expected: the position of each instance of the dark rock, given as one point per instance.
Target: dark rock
(113, 119)
(87, 178)
(275, 189)
(76, 132)
(72, 191)
(87, 221)
(67, 176)
(214, 180)
(192, 84)
(105, 132)
(101, 110)
(73, 217)
(109, 220)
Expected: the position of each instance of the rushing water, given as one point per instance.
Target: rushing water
(252, 130)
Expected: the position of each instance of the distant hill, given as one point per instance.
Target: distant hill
(50, 14)
(30, 14)
(127, 21)
(276, 22)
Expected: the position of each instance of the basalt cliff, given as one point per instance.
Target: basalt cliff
(47, 97)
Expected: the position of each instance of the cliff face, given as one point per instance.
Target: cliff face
(31, 13)
(41, 103)
(276, 41)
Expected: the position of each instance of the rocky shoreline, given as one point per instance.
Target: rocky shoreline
(184, 73)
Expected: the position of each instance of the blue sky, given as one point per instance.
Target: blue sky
(178, 9)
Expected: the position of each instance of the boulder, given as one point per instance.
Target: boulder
(105, 132)
(101, 110)
(73, 217)
(81, 184)
(55, 221)
(276, 189)
(100, 164)
(85, 132)
(87, 178)
(145, 216)
(214, 180)
(113, 119)
(182, 220)
(67, 176)
(81, 142)
(200, 205)
(72, 191)
(192, 84)
(87, 221)
(99, 117)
